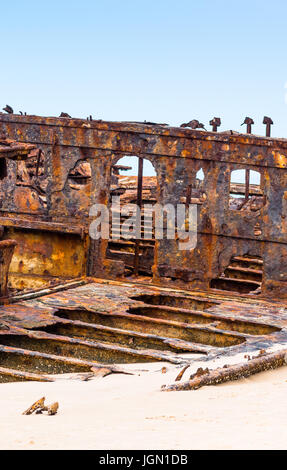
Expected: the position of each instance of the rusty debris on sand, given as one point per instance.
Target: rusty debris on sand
(39, 407)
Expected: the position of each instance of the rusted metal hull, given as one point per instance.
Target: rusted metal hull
(177, 154)
(51, 174)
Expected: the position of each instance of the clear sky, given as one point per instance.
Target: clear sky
(161, 60)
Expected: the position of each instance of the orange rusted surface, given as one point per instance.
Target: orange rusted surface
(6, 252)
(225, 297)
(111, 322)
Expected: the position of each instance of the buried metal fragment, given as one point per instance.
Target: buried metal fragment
(202, 377)
(39, 406)
(179, 376)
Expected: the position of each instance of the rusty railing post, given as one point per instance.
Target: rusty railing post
(215, 123)
(268, 122)
(249, 122)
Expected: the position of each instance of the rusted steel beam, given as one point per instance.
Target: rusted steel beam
(80, 341)
(196, 317)
(61, 285)
(248, 121)
(41, 362)
(138, 222)
(14, 150)
(238, 188)
(96, 332)
(42, 225)
(180, 375)
(118, 168)
(229, 373)
(86, 136)
(197, 333)
(14, 375)
(247, 184)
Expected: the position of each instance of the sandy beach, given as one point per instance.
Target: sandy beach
(130, 412)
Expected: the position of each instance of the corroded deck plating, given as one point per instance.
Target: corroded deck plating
(105, 322)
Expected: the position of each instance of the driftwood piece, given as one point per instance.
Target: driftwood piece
(233, 372)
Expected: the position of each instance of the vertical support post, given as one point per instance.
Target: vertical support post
(247, 184)
(139, 204)
(55, 180)
(188, 195)
(249, 123)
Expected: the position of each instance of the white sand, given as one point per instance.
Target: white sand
(129, 412)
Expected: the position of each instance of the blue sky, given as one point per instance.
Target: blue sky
(161, 60)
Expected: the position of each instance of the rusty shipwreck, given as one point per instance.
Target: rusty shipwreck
(70, 303)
